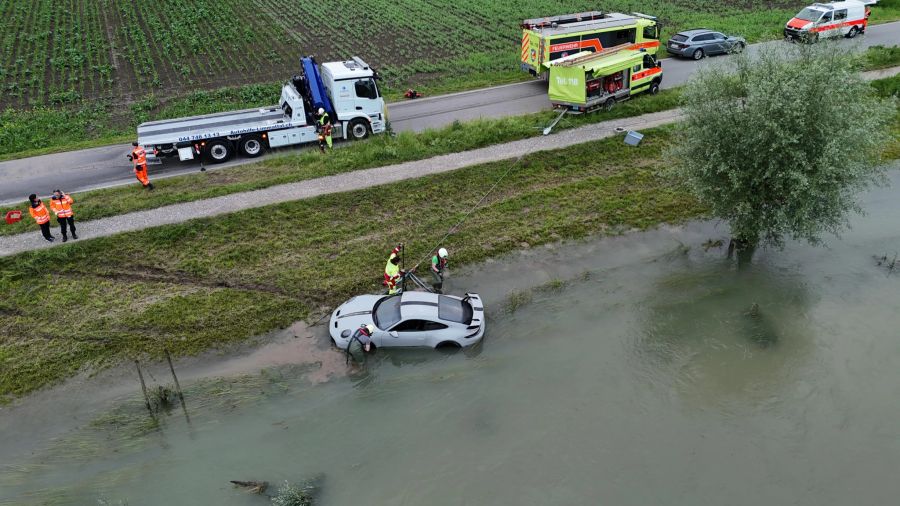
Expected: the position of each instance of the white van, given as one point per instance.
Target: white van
(835, 19)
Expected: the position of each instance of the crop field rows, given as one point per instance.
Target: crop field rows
(56, 52)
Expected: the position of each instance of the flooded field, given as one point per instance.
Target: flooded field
(644, 369)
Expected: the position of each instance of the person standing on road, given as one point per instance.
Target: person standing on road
(41, 215)
(438, 264)
(61, 204)
(138, 157)
(325, 128)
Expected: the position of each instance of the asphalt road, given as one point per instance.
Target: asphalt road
(107, 166)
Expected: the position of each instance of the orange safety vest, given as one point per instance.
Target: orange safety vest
(138, 156)
(39, 213)
(62, 206)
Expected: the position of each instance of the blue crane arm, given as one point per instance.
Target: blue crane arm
(317, 94)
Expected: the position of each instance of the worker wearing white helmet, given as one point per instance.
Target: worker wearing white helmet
(360, 343)
(438, 265)
(324, 127)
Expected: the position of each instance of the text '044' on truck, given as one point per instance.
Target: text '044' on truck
(552, 38)
(346, 90)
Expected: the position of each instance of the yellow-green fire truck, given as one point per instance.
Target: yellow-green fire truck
(552, 38)
(586, 81)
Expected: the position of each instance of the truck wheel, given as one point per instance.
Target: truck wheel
(219, 150)
(359, 129)
(654, 88)
(854, 31)
(697, 55)
(610, 103)
(252, 146)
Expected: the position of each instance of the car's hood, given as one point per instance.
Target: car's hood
(798, 24)
(353, 313)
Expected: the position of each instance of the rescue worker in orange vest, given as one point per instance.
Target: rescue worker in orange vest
(41, 216)
(138, 157)
(61, 204)
(393, 276)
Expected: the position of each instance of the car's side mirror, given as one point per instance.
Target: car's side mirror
(394, 333)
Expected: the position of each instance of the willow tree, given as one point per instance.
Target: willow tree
(780, 144)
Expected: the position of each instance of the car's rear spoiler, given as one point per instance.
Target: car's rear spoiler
(477, 314)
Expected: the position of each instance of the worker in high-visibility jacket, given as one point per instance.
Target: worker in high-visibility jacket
(138, 157)
(41, 215)
(438, 265)
(61, 204)
(393, 276)
(324, 127)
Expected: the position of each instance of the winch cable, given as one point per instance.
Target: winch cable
(458, 224)
(465, 217)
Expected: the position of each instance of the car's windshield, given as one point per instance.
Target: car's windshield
(679, 38)
(454, 310)
(808, 14)
(386, 312)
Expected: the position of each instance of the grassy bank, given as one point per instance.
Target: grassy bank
(377, 151)
(198, 284)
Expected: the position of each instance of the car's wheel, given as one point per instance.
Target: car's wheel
(610, 103)
(697, 54)
(252, 146)
(854, 31)
(219, 150)
(654, 88)
(448, 347)
(359, 129)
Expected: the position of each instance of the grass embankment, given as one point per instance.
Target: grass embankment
(212, 281)
(377, 151)
(201, 283)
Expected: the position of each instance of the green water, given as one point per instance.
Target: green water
(648, 378)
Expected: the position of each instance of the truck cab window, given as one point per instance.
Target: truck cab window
(826, 18)
(840, 15)
(649, 61)
(650, 32)
(365, 88)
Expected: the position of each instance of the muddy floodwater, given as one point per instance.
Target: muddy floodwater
(643, 369)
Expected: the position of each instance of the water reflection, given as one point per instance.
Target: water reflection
(727, 334)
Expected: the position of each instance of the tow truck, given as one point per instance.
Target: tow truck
(346, 90)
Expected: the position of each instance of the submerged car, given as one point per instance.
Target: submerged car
(411, 319)
(701, 42)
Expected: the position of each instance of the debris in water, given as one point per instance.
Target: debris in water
(254, 487)
(888, 263)
(710, 244)
(290, 495)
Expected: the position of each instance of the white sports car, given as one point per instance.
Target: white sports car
(411, 319)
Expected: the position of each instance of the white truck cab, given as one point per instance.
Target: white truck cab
(354, 93)
(346, 89)
(825, 20)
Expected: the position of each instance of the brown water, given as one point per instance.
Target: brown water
(658, 374)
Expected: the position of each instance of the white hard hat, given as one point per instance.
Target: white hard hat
(321, 111)
(370, 328)
(442, 252)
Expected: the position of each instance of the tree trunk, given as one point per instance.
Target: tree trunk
(744, 250)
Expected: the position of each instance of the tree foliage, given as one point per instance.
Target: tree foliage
(780, 144)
